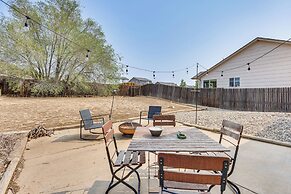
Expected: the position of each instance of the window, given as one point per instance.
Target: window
(210, 83)
(234, 82)
(206, 84)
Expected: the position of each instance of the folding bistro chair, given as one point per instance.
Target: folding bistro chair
(164, 120)
(153, 110)
(123, 159)
(172, 179)
(87, 122)
(234, 132)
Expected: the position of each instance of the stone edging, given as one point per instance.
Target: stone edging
(246, 136)
(14, 158)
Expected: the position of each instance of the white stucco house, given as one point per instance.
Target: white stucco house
(272, 70)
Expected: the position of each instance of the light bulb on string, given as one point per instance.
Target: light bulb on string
(187, 71)
(221, 74)
(173, 74)
(88, 53)
(249, 67)
(154, 74)
(126, 69)
(26, 21)
(207, 72)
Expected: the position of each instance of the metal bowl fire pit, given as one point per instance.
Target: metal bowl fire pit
(128, 128)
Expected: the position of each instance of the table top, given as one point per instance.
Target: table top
(196, 141)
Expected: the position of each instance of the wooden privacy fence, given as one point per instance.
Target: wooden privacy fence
(248, 99)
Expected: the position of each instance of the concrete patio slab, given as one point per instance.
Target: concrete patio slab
(64, 164)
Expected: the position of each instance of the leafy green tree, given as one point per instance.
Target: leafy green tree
(48, 57)
(183, 83)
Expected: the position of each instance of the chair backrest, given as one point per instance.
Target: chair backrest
(193, 162)
(154, 110)
(108, 133)
(164, 120)
(86, 118)
(234, 131)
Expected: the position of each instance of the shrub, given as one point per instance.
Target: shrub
(47, 89)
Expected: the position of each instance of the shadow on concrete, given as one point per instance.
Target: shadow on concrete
(76, 138)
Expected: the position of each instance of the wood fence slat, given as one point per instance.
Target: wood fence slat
(247, 99)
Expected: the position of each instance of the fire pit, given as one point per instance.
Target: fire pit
(128, 128)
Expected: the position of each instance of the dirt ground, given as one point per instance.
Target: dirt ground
(26, 113)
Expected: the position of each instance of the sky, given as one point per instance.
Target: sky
(166, 35)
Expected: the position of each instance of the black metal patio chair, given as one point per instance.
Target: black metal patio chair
(172, 179)
(153, 110)
(120, 160)
(87, 122)
(230, 133)
(234, 131)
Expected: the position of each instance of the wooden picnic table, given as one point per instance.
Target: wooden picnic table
(196, 141)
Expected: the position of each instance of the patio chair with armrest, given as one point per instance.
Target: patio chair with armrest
(132, 160)
(172, 179)
(87, 122)
(164, 120)
(153, 110)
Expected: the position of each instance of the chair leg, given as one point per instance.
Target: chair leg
(81, 132)
(138, 177)
(234, 187)
(121, 180)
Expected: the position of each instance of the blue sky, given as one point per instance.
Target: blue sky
(173, 34)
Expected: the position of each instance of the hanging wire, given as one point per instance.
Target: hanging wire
(261, 56)
(28, 18)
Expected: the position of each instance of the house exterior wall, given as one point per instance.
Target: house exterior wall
(272, 70)
(139, 82)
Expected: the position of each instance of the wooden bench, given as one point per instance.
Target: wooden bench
(164, 120)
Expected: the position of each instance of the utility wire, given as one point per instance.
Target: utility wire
(261, 56)
(88, 50)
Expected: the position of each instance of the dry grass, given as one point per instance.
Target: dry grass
(26, 113)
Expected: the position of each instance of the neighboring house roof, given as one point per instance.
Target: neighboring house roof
(140, 79)
(201, 74)
(167, 83)
(123, 78)
(195, 76)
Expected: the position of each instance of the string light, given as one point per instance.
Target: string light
(26, 24)
(173, 74)
(26, 21)
(88, 53)
(221, 74)
(126, 70)
(154, 74)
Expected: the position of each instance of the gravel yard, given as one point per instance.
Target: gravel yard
(272, 125)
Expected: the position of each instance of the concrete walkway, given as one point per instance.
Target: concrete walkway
(64, 164)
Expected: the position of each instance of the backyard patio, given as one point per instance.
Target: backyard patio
(65, 164)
